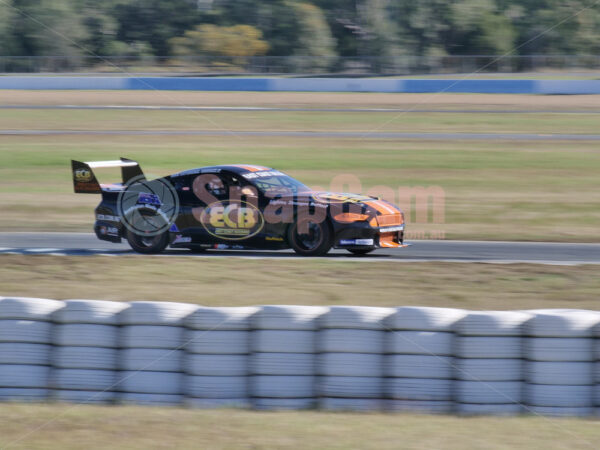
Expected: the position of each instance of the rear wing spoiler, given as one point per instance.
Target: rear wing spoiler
(85, 181)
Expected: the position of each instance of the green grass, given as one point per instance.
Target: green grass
(493, 189)
(532, 190)
(207, 282)
(95, 427)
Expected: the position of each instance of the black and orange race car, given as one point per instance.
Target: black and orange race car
(235, 207)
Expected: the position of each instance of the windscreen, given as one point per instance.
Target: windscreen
(272, 183)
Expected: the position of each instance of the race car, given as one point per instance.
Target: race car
(236, 206)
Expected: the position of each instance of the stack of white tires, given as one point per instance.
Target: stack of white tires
(489, 362)
(25, 348)
(84, 360)
(597, 368)
(151, 355)
(350, 362)
(560, 362)
(418, 364)
(283, 357)
(216, 357)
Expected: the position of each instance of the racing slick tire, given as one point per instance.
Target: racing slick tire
(360, 251)
(147, 245)
(317, 242)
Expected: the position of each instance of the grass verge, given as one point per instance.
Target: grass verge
(491, 190)
(230, 121)
(208, 282)
(305, 99)
(498, 190)
(91, 427)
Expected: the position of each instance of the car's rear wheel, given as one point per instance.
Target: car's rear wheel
(147, 244)
(309, 238)
(358, 252)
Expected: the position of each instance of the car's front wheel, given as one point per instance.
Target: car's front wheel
(147, 244)
(309, 238)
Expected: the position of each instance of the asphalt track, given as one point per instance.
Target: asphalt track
(292, 109)
(314, 134)
(82, 244)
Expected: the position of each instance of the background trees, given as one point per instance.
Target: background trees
(313, 32)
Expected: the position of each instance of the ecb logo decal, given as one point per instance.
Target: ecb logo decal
(83, 175)
(232, 219)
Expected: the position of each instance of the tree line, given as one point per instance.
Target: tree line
(319, 29)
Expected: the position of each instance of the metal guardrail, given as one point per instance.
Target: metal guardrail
(277, 65)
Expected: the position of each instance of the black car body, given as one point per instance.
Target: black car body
(235, 207)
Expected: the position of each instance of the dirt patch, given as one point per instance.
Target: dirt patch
(301, 99)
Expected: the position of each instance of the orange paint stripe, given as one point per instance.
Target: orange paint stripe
(381, 207)
(390, 207)
(250, 168)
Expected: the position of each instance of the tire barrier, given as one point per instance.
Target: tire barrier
(25, 348)
(488, 362)
(559, 367)
(150, 356)
(216, 358)
(351, 355)
(417, 359)
(85, 356)
(283, 359)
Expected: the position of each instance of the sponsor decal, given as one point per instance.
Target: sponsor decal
(280, 202)
(145, 198)
(108, 218)
(195, 172)
(83, 175)
(274, 238)
(356, 242)
(263, 174)
(148, 207)
(84, 186)
(334, 197)
(111, 187)
(391, 229)
(227, 247)
(232, 219)
(174, 228)
(108, 231)
(179, 239)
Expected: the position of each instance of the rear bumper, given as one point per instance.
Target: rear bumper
(108, 231)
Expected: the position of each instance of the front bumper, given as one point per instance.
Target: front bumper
(363, 236)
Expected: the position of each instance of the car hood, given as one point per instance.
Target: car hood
(385, 212)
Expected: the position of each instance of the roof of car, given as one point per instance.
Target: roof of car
(236, 168)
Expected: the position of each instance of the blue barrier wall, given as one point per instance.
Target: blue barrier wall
(305, 84)
(63, 83)
(198, 84)
(473, 86)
